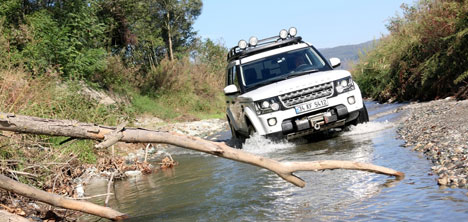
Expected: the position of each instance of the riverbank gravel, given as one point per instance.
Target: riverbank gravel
(439, 129)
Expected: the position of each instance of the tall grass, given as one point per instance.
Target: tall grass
(46, 97)
(179, 88)
(425, 56)
(174, 90)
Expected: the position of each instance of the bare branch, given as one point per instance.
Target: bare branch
(59, 201)
(112, 137)
(26, 124)
(111, 180)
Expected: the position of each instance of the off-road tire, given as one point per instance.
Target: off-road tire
(252, 130)
(234, 133)
(363, 115)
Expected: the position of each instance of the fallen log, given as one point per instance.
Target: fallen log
(59, 201)
(286, 170)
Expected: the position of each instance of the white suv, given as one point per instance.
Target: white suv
(283, 87)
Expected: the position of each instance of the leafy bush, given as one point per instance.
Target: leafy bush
(45, 97)
(185, 87)
(424, 57)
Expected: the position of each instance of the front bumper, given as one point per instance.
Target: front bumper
(289, 124)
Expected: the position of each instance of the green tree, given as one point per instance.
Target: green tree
(211, 54)
(67, 38)
(176, 17)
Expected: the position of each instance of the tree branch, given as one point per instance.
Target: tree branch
(27, 124)
(53, 199)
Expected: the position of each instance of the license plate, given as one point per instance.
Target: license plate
(315, 104)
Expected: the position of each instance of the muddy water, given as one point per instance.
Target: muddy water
(207, 188)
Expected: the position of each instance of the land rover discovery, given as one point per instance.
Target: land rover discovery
(283, 87)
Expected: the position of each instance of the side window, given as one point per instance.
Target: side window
(234, 76)
(229, 76)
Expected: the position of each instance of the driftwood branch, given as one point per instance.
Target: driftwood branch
(58, 201)
(106, 203)
(286, 170)
(112, 137)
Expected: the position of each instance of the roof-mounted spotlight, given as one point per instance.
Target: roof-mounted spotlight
(292, 31)
(283, 34)
(253, 41)
(242, 44)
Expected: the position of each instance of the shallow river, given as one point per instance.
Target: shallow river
(208, 188)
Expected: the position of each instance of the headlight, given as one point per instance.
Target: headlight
(275, 106)
(267, 105)
(344, 85)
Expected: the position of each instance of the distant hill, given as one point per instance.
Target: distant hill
(348, 54)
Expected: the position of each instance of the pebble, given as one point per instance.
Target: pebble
(438, 129)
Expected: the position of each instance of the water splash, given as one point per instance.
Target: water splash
(261, 145)
(368, 128)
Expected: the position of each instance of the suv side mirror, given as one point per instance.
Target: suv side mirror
(231, 89)
(335, 62)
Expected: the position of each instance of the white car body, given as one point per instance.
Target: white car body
(309, 102)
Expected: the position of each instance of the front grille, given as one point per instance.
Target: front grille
(303, 95)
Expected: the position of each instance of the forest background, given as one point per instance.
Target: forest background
(144, 53)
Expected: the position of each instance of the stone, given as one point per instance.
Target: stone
(132, 173)
(442, 181)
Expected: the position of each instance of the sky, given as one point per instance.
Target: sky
(324, 24)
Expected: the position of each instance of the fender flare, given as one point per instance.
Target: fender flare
(252, 117)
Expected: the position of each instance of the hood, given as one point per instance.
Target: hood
(296, 83)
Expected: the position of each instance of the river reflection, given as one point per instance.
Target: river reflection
(208, 188)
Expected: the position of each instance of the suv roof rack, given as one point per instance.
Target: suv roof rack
(263, 45)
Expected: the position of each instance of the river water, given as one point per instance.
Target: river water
(208, 188)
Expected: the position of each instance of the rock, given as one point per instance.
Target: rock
(442, 181)
(79, 190)
(458, 150)
(99, 96)
(462, 182)
(132, 173)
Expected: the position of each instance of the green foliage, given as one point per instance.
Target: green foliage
(67, 40)
(153, 106)
(424, 57)
(176, 17)
(118, 45)
(12, 11)
(211, 54)
(52, 50)
(83, 149)
(42, 97)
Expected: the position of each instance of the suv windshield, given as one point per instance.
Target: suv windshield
(281, 66)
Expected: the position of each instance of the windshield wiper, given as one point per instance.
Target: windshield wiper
(294, 74)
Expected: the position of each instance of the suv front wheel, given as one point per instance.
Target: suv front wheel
(363, 116)
(234, 133)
